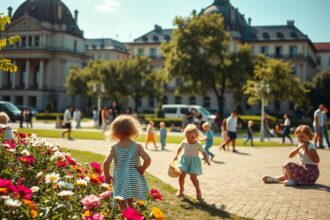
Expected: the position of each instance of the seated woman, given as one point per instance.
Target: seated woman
(306, 172)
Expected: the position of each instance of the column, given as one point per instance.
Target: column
(27, 73)
(13, 75)
(41, 74)
(1, 79)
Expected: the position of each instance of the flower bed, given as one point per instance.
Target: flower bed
(40, 181)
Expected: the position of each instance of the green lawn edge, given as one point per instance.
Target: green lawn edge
(174, 208)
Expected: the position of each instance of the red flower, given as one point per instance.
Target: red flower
(10, 143)
(132, 214)
(70, 160)
(27, 160)
(61, 164)
(96, 167)
(6, 186)
(21, 135)
(155, 194)
(24, 192)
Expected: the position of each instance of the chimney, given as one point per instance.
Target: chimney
(10, 11)
(290, 23)
(249, 21)
(158, 28)
(76, 16)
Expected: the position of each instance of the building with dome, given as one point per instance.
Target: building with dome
(279, 41)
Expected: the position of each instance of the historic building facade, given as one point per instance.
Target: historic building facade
(51, 43)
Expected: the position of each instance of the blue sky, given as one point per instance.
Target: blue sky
(126, 20)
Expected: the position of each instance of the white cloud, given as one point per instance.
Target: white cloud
(108, 6)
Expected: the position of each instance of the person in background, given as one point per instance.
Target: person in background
(95, 117)
(30, 115)
(67, 122)
(162, 134)
(286, 129)
(232, 125)
(326, 126)
(77, 115)
(318, 123)
(208, 139)
(249, 133)
(115, 110)
(5, 129)
(150, 135)
(267, 132)
(21, 118)
(224, 133)
(105, 118)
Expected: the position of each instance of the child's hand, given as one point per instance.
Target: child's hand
(141, 170)
(207, 162)
(108, 179)
(175, 158)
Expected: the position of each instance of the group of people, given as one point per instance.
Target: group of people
(25, 117)
(103, 117)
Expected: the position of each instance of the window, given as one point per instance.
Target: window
(6, 98)
(86, 47)
(102, 46)
(18, 100)
(293, 51)
(278, 51)
(23, 41)
(318, 61)
(30, 41)
(155, 38)
(167, 38)
(293, 35)
(265, 35)
(141, 51)
(36, 41)
(291, 106)
(280, 35)
(145, 38)
(165, 99)
(139, 102)
(170, 110)
(206, 102)
(153, 52)
(264, 50)
(178, 99)
(75, 46)
(32, 101)
(178, 81)
(151, 101)
(94, 47)
(192, 100)
(184, 110)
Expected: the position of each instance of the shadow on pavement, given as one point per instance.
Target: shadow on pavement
(217, 162)
(316, 186)
(242, 153)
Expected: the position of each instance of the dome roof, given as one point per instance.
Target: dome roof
(233, 19)
(51, 11)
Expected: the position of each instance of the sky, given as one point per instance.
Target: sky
(126, 20)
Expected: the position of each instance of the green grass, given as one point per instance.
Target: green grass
(185, 208)
(100, 136)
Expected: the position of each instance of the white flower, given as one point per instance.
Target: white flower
(58, 156)
(105, 185)
(35, 189)
(4, 197)
(25, 152)
(39, 174)
(34, 136)
(81, 182)
(10, 150)
(65, 193)
(87, 179)
(13, 203)
(68, 177)
(119, 198)
(52, 178)
(66, 185)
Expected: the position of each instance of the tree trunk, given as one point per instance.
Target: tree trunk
(136, 99)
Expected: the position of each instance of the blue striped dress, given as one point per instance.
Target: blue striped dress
(127, 181)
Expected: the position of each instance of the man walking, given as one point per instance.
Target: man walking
(67, 122)
(326, 126)
(318, 124)
(231, 124)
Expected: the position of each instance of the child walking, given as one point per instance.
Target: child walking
(190, 162)
(5, 129)
(150, 135)
(162, 132)
(306, 172)
(128, 180)
(249, 133)
(208, 139)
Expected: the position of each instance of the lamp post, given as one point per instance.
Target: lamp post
(262, 89)
(99, 89)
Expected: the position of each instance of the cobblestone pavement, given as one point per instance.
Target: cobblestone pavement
(233, 181)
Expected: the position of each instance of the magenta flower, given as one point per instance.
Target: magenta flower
(61, 164)
(105, 194)
(96, 167)
(27, 160)
(95, 216)
(132, 214)
(24, 192)
(91, 201)
(10, 143)
(155, 194)
(70, 160)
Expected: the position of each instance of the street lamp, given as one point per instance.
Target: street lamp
(99, 89)
(263, 89)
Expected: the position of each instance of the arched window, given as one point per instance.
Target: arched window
(178, 99)
(165, 99)
(155, 38)
(192, 100)
(206, 102)
(151, 101)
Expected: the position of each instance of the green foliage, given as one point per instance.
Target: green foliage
(6, 65)
(319, 90)
(267, 72)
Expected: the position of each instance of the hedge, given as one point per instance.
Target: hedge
(49, 116)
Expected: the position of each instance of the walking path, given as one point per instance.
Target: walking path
(233, 181)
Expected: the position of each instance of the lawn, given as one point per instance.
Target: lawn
(96, 135)
(185, 208)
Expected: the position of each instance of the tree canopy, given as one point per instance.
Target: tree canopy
(319, 89)
(6, 65)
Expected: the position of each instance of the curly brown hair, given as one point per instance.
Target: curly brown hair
(124, 126)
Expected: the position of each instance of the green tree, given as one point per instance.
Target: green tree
(6, 65)
(199, 55)
(319, 89)
(76, 82)
(277, 75)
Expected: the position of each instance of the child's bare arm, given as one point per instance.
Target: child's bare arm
(146, 159)
(312, 154)
(178, 151)
(106, 165)
(206, 158)
(294, 152)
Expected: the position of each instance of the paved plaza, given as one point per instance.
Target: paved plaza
(233, 181)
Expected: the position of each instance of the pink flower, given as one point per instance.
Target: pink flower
(96, 167)
(10, 143)
(70, 160)
(132, 214)
(60, 164)
(6, 186)
(95, 216)
(155, 194)
(91, 201)
(24, 192)
(27, 160)
(105, 194)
